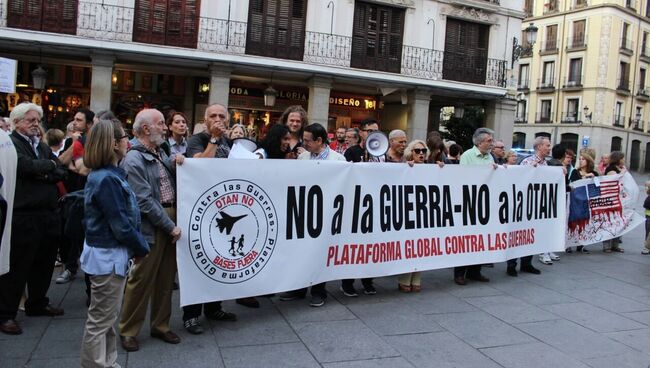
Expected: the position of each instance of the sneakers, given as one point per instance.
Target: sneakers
(349, 291)
(554, 257)
(369, 289)
(317, 301)
(645, 251)
(545, 259)
(65, 277)
(193, 326)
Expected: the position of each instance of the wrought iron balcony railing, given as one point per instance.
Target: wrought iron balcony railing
(571, 117)
(619, 121)
(623, 84)
(636, 124)
(630, 4)
(544, 117)
(222, 35)
(520, 118)
(328, 49)
(523, 84)
(573, 81)
(549, 46)
(576, 42)
(546, 83)
(105, 22)
(627, 44)
(422, 62)
(641, 90)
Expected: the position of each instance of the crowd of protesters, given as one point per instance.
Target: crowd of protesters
(106, 203)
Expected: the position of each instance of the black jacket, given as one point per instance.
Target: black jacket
(36, 178)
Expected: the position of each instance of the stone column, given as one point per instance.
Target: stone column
(319, 100)
(500, 117)
(418, 114)
(219, 84)
(101, 81)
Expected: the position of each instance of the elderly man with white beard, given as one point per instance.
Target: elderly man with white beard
(151, 175)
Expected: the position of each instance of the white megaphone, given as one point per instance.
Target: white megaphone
(377, 144)
(243, 148)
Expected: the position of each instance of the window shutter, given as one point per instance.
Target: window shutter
(60, 16)
(25, 14)
(276, 28)
(377, 37)
(150, 18)
(465, 57)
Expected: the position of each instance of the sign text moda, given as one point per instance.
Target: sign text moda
(254, 227)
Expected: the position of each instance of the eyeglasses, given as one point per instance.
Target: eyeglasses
(502, 147)
(122, 137)
(420, 151)
(369, 130)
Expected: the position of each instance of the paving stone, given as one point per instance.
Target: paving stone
(66, 362)
(275, 355)
(593, 317)
(55, 348)
(636, 339)
(13, 349)
(69, 329)
(530, 356)
(398, 362)
(573, 339)
(510, 309)
(13, 362)
(609, 301)
(481, 330)
(532, 293)
(255, 328)
(342, 340)
(299, 311)
(154, 353)
(394, 318)
(643, 317)
(437, 303)
(439, 350)
(626, 360)
(33, 327)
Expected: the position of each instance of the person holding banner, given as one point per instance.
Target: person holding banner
(354, 152)
(315, 142)
(276, 144)
(477, 155)
(295, 118)
(415, 153)
(616, 166)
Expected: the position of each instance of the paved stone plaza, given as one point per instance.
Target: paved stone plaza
(587, 310)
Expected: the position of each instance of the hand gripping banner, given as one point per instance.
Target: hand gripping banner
(254, 227)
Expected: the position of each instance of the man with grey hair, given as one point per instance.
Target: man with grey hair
(151, 175)
(34, 224)
(396, 146)
(477, 155)
(5, 125)
(212, 142)
(499, 152)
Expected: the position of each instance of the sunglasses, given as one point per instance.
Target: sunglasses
(420, 151)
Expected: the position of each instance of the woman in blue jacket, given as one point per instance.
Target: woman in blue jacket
(112, 227)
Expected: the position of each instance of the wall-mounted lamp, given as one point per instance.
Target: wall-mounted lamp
(269, 96)
(587, 114)
(517, 50)
(204, 87)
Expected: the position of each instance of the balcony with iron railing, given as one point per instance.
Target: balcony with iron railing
(551, 7)
(523, 85)
(576, 43)
(630, 4)
(619, 121)
(623, 85)
(520, 118)
(626, 46)
(573, 82)
(645, 53)
(571, 117)
(546, 84)
(548, 47)
(636, 124)
(578, 4)
(106, 22)
(544, 117)
(642, 93)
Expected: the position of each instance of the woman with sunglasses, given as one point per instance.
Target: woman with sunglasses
(415, 153)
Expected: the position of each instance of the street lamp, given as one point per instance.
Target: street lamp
(587, 114)
(269, 96)
(517, 50)
(39, 75)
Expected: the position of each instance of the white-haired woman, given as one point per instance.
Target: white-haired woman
(415, 153)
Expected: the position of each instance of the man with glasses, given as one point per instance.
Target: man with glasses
(499, 152)
(34, 224)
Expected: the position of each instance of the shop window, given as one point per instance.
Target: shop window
(57, 16)
(167, 22)
(276, 28)
(377, 33)
(465, 58)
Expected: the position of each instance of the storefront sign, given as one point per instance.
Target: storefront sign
(249, 228)
(354, 102)
(257, 92)
(8, 69)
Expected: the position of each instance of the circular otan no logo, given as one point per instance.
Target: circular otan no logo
(233, 231)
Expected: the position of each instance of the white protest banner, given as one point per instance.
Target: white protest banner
(8, 69)
(602, 208)
(254, 227)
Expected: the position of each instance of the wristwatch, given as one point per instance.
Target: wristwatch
(214, 140)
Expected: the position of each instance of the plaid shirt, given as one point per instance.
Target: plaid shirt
(167, 193)
(323, 155)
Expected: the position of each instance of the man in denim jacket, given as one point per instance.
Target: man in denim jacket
(151, 176)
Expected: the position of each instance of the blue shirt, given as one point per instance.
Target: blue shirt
(104, 261)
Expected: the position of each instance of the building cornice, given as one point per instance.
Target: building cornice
(586, 9)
